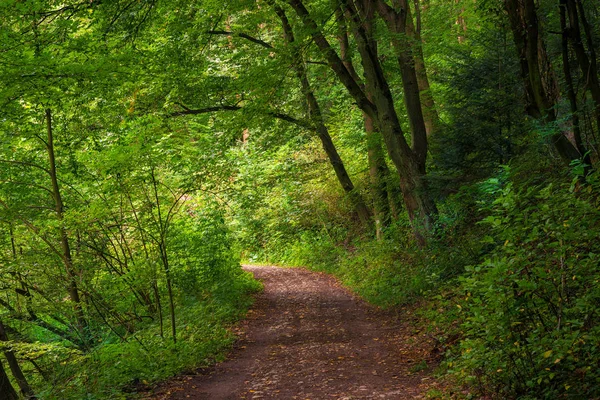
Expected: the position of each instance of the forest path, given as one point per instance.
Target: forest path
(307, 337)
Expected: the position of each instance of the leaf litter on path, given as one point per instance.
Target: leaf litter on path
(307, 337)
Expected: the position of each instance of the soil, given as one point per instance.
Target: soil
(307, 337)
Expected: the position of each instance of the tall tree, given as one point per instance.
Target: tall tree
(585, 57)
(569, 81)
(541, 87)
(15, 368)
(7, 391)
(65, 253)
(410, 161)
(316, 116)
(378, 169)
(430, 112)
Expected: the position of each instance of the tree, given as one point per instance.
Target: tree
(7, 392)
(383, 199)
(14, 367)
(575, 11)
(314, 111)
(410, 161)
(541, 87)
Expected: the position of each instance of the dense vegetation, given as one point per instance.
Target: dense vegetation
(440, 150)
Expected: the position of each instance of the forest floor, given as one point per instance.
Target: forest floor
(307, 337)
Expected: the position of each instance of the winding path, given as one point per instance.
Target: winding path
(306, 337)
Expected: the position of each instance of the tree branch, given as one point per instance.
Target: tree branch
(187, 111)
(274, 114)
(334, 61)
(244, 36)
(36, 231)
(26, 164)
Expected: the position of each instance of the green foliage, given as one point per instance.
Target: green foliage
(201, 251)
(147, 357)
(530, 309)
(480, 95)
(160, 196)
(130, 350)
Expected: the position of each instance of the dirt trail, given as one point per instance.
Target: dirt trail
(306, 337)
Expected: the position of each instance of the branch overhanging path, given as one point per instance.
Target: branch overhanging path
(306, 337)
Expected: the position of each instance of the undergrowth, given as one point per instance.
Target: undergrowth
(116, 367)
(211, 292)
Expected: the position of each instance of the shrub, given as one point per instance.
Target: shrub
(531, 309)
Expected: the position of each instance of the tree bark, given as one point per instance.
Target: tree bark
(409, 162)
(7, 392)
(569, 82)
(14, 367)
(64, 239)
(379, 175)
(541, 88)
(587, 64)
(378, 169)
(397, 23)
(430, 113)
(316, 116)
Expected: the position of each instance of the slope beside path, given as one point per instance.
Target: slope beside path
(307, 337)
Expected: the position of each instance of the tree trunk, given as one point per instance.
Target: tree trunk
(397, 23)
(569, 82)
(541, 88)
(7, 392)
(162, 247)
(379, 176)
(14, 366)
(430, 114)
(587, 64)
(64, 239)
(315, 115)
(409, 162)
(165, 261)
(378, 169)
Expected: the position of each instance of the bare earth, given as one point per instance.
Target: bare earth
(306, 337)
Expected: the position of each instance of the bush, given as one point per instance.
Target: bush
(531, 309)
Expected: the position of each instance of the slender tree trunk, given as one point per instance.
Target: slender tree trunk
(158, 307)
(430, 113)
(316, 116)
(13, 249)
(7, 392)
(165, 261)
(64, 239)
(398, 23)
(378, 169)
(569, 81)
(154, 284)
(409, 162)
(14, 366)
(379, 175)
(162, 247)
(151, 306)
(587, 64)
(540, 83)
